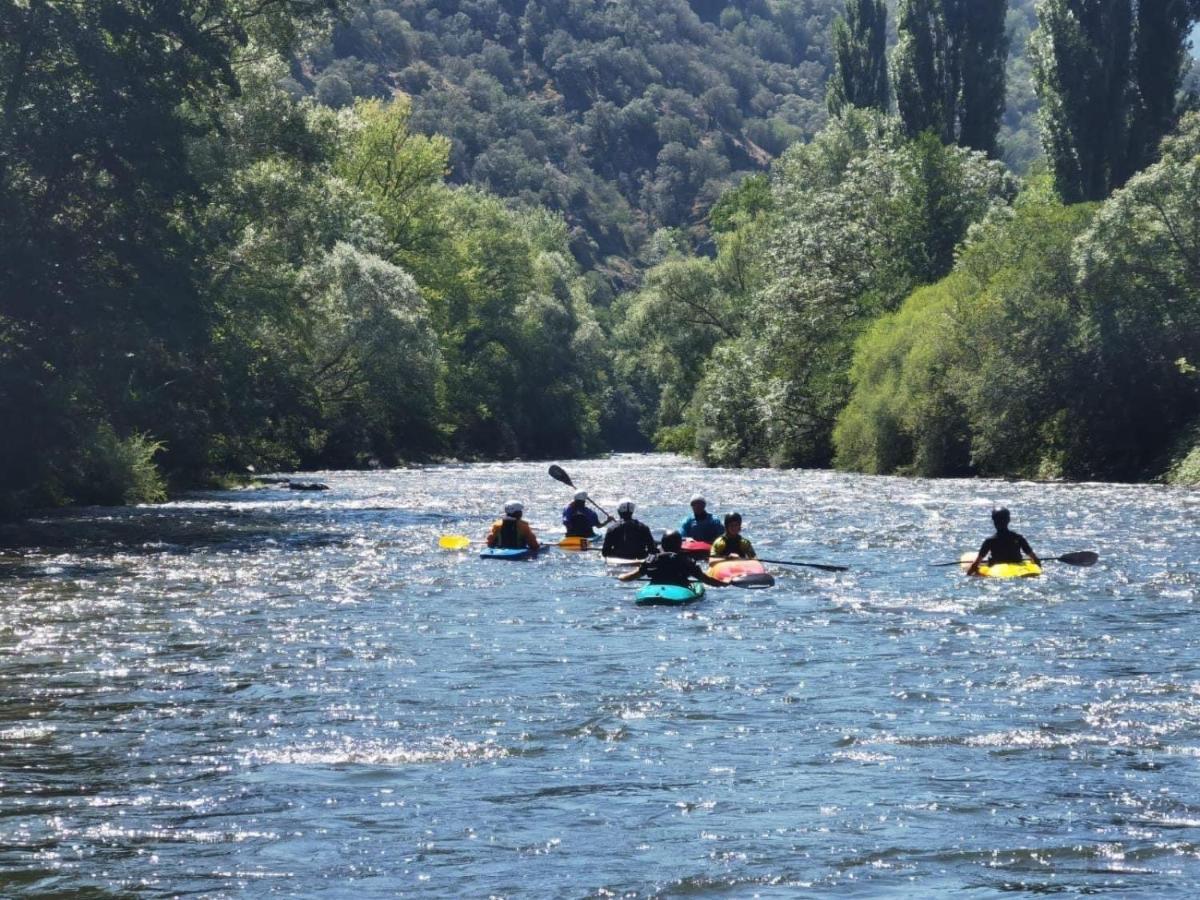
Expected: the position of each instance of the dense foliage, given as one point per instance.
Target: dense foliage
(251, 235)
(950, 67)
(625, 116)
(903, 314)
(202, 273)
(1062, 345)
(1107, 73)
(860, 74)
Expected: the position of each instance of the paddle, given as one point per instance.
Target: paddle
(557, 473)
(822, 566)
(1083, 558)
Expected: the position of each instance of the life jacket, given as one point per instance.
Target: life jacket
(738, 546)
(511, 536)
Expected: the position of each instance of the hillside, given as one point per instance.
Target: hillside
(627, 116)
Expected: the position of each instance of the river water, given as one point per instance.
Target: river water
(267, 693)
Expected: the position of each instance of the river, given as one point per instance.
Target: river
(265, 693)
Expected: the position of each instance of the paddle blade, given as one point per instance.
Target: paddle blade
(1079, 558)
(454, 542)
(558, 474)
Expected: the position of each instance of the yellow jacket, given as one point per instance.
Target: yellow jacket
(725, 546)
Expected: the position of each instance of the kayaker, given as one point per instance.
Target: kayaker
(579, 520)
(513, 532)
(731, 543)
(701, 525)
(629, 538)
(671, 566)
(1004, 546)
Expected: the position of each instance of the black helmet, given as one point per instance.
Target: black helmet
(1001, 517)
(672, 541)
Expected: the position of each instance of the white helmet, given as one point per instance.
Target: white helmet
(625, 507)
(512, 507)
(699, 498)
(581, 495)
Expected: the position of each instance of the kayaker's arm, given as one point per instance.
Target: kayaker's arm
(700, 575)
(1028, 551)
(974, 567)
(634, 575)
(531, 538)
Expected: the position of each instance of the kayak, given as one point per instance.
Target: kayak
(618, 562)
(744, 573)
(669, 594)
(505, 553)
(1025, 569)
(697, 548)
(580, 543)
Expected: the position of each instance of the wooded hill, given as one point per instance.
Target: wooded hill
(627, 116)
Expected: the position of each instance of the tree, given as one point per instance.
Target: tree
(949, 70)
(1107, 73)
(1139, 266)
(862, 217)
(860, 76)
(1081, 56)
(105, 325)
(1161, 61)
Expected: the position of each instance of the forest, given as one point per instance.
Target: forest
(937, 237)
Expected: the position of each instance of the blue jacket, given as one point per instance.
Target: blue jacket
(707, 529)
(580, 522)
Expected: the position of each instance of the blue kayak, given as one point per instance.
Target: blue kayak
(502, 553)
(669, 594)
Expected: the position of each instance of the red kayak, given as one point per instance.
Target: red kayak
(698, 549)
(746, 573)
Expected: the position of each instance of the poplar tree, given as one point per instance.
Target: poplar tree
(1161, 44)
(924, 93)
(1107, 73)
(860, 76)
(949, 69)
(983, 57)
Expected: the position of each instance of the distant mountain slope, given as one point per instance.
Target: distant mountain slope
(625, 115)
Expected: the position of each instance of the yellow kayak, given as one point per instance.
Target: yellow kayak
(581, 543)
(1025, 569)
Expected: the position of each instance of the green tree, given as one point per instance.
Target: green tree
(1108, 74)
(1139, 267)
(950, 70)
(862, 217)
(1161, 60)
(979, 372)
(860, 76)
(105, 325)
(1081, 57)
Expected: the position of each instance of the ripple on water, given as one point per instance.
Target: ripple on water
(259, 693)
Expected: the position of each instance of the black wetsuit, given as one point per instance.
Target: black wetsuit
(629, 539)
(1005, 547)
(671, 568)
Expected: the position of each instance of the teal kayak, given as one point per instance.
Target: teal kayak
(669, 594)
(502, 553)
